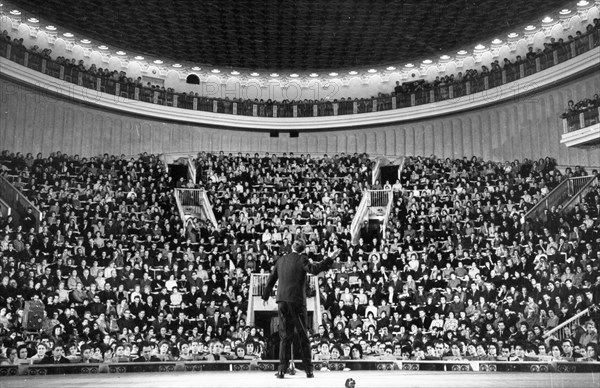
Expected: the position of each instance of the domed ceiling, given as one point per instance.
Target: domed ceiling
(291, 34)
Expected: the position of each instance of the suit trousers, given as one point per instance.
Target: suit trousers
(293, 316)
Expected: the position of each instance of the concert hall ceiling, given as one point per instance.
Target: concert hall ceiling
(292, 34)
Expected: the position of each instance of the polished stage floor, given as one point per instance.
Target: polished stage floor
(259, 379)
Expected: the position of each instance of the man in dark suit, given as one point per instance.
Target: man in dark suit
(147, 355)
(57, 356)
(291, 272)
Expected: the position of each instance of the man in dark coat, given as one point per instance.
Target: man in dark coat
(147, 354)
(57, 356)
(291, 272)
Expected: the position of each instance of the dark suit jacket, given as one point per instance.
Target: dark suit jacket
(50, 360)
(291, 271)
(152, 359)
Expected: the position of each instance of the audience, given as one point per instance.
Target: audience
(459, 274)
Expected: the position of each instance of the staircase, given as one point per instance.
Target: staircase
(376, 205)
(567, 194)
(192, 204)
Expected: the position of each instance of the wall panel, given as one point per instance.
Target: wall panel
(420, 141)
(447, 138)
(522, 127)
(21, 118)
(457, 142)
(409, 140)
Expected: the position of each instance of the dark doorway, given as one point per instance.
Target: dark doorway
(192, 79)
(178, 171)
(389, 174)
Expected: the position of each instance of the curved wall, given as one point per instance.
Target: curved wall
(523, 127)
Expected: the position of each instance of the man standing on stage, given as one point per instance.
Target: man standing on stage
(291, 271)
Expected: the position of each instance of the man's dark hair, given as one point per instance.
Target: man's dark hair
(299, 245)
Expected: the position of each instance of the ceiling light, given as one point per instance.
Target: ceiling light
(445, 57)
(15, 12)
(255, 74)
(513, 35)
(158, 62)
(196, 68)
(32, 20)
(294, 75)
(462, 52)
(313, 75)
(496, 41)
(333, 74)
(68, 35)
(353, 72)
(582, 3)
(139, 58)
(177, 65)
(409, 65)
(216, 71)
(51, 28)
(565, 12)
(120, 52)
(372, 71)
(274, 75)
(547, 19)
(529, 28)
(103, 47)
(85, 41)
(480, 47)
(390, 68)
(235, 72)
(427, 61)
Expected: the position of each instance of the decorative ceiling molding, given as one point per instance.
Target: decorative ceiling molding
(156, 67)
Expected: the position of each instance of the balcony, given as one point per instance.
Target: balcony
(582, 129)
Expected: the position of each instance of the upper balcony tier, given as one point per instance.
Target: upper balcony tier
(527, 77)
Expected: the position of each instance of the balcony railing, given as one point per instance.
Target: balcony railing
(421, 94)
(580, 120)
(567, 328)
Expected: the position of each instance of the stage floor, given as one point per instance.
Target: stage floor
(259, 379)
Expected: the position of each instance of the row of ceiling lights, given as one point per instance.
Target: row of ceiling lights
(295, 75)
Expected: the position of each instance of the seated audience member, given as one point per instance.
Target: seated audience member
(11, 357)
(41, 353)
(57, 356)
(23, 354)
(147, 355)
(568, 351)
(590, 335)
(591, 353)
(456, 353)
